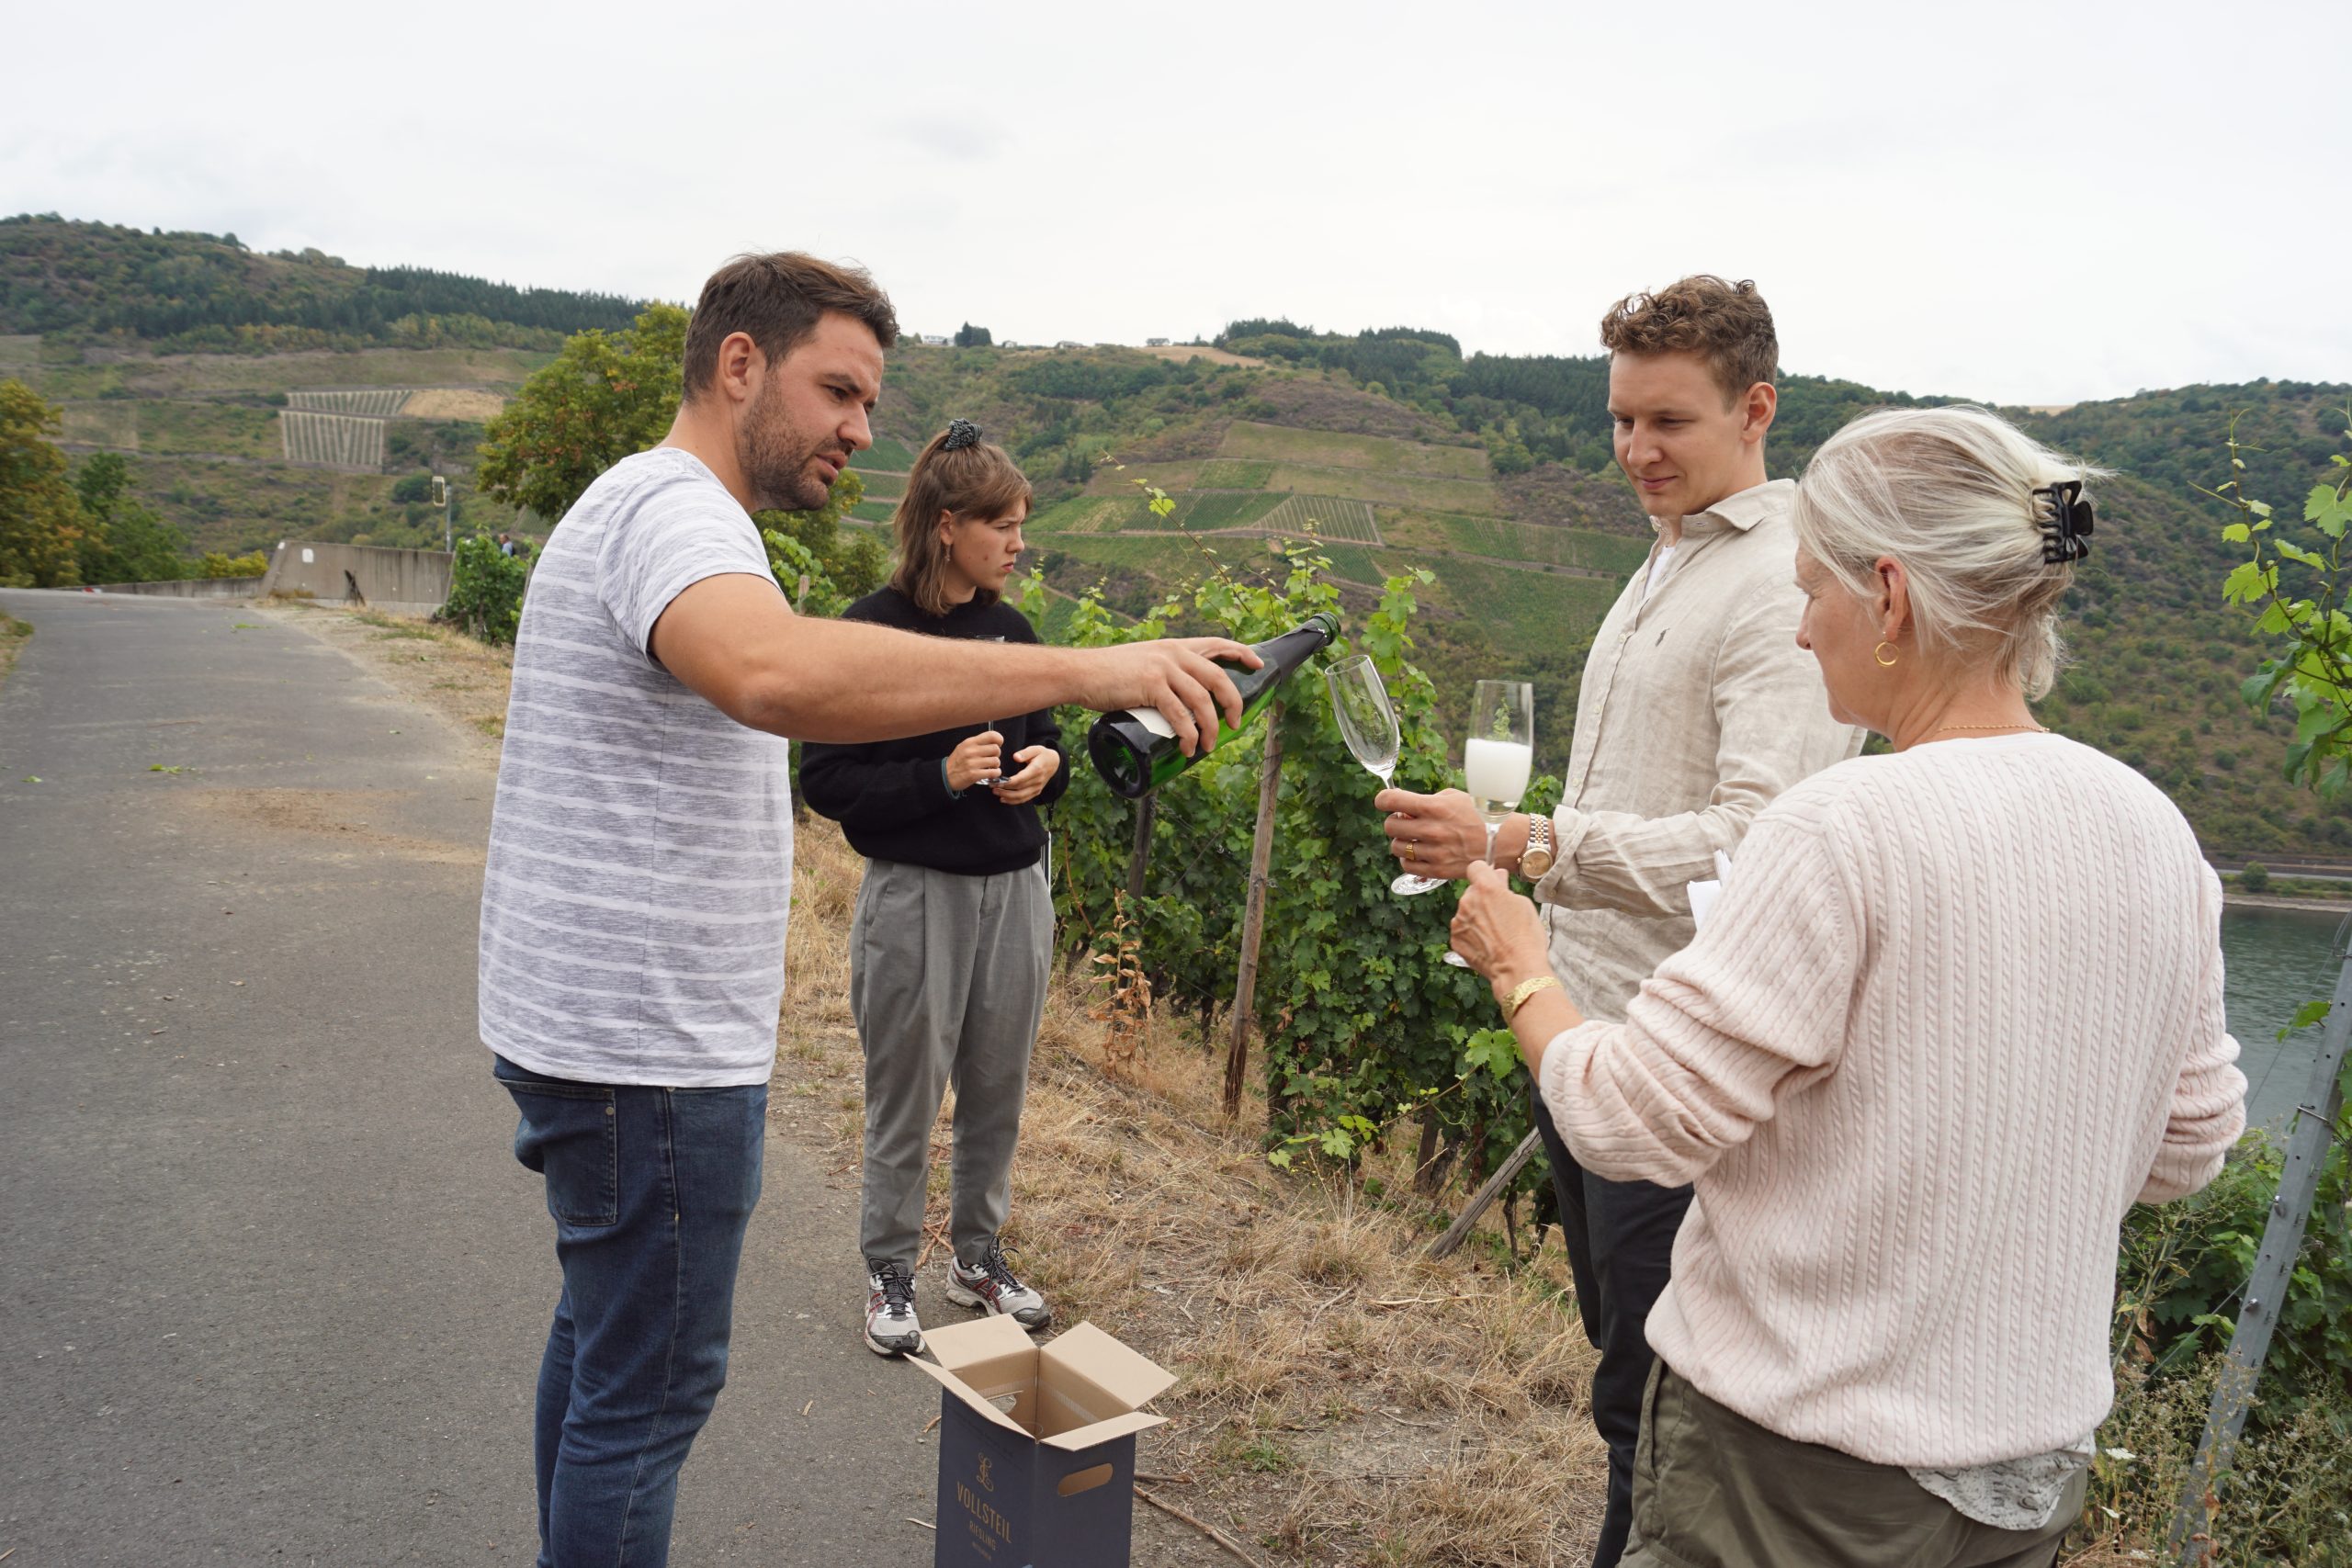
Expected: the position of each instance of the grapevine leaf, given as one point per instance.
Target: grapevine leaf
(2329, 511)
(2247, 581)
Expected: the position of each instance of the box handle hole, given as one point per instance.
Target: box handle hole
(1079, 1481)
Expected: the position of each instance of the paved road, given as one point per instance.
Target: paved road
(272, 1289)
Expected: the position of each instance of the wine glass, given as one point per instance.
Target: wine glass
(1499, 756)
(1368, 723)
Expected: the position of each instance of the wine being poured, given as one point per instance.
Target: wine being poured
(1136, 750)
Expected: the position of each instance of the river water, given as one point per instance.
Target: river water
(2274, 961)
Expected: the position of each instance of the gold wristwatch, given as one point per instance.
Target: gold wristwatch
(1537, 858)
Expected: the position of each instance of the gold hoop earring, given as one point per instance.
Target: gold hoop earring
(1881, 653)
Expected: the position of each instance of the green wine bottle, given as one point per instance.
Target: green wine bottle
(1136, 750)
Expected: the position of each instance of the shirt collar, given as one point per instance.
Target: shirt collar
(1742, 510)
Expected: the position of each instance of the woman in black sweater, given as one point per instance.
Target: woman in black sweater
(953, 938)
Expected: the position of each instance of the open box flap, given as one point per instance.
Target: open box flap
(1103, 1431)
(962, 1391)
(1127, 1379)
(982, 1359)
(962, 1345)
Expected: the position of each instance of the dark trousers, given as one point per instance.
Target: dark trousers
(650, 1190)
(1619, 1236)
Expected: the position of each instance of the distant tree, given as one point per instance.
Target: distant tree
(606, 396)
(127, 541)
(2254, 877)
(220, 563)
(41, 524)
(970, 336)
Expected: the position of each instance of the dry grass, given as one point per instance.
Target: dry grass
(1342, 1399)
(13, 634)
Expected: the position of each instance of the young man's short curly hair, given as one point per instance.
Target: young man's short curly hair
(1726, 324)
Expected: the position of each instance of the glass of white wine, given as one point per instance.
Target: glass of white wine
(1499, 757)
(1368, 724)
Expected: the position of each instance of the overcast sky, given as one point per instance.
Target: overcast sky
(2030, 203)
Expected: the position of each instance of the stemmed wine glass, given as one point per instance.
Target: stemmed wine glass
(1498, 755)
(1368, 723)
(999, 728)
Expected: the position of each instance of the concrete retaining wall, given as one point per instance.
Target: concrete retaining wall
(384, 577)
(190, 588)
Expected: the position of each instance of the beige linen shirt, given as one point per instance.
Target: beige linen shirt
(1697, 707)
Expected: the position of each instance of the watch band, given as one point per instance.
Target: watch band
(1522, 991)
(1536, 859)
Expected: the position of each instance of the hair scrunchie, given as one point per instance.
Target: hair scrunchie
(961, 433)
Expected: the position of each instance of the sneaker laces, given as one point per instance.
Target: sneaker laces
(898, 1287)
(993, 1265)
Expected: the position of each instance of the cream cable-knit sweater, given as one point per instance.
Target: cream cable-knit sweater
(1955, 1011)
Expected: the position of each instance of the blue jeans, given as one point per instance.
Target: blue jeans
(650, 1190)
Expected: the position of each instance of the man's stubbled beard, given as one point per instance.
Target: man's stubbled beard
(776, 457)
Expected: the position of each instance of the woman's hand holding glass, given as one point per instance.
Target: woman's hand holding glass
(1496, 932)
(975, 759)
(1039, 764)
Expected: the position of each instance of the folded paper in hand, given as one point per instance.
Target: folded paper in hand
(1704, 893)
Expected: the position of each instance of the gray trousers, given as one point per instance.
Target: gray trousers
(948, 983)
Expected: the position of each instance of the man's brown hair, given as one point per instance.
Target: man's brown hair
(1726, 324)
(978, 481)
(777, 298)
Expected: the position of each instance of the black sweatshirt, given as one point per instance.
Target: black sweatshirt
(891, 798)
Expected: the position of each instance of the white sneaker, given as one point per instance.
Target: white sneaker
(890, 1325)
(991, 1283)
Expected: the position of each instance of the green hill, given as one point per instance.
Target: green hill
(182, 291)
(1387, 450)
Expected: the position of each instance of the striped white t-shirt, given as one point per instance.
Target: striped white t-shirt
(640, 851)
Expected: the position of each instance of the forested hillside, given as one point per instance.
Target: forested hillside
(179, 292)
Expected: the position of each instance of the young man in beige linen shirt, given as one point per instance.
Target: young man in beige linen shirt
(1696, 708)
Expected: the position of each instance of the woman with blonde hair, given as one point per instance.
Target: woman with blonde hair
(1955, 1009)
(950, 945)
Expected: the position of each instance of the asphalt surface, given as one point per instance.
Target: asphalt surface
(271, 1287)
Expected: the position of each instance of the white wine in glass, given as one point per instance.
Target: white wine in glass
(1368, 724)
(1499, 757)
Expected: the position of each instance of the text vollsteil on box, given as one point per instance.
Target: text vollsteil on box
(1038, 1445)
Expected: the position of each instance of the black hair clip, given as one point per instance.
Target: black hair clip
(2065, 522)
(961, 433)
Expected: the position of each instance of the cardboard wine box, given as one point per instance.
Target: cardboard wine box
(1038, 1445)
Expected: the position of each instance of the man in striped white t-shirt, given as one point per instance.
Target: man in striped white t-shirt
(640, 859)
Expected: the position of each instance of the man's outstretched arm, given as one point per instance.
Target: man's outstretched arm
(734, 641)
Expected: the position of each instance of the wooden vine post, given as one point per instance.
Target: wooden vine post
(1253, 915)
